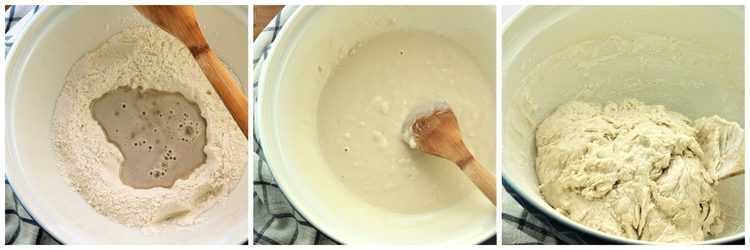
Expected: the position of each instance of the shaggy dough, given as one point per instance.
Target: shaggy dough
(634, 170)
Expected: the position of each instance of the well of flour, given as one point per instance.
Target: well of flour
(149, 59)
(366, 100)
(160, 134)
(634, 170)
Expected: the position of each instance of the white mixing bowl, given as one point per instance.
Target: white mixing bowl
(286, 117)
(35, 74)
(695, 82)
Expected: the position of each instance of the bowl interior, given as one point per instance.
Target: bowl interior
(689, 59)
(287, 111)
(35, 75)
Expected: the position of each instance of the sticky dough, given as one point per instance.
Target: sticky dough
(634, 170)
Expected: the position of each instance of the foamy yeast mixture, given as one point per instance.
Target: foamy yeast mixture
(366, 100)
(151, 59)
(160, 134)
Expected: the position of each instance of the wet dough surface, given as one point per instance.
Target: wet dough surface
(634, 170)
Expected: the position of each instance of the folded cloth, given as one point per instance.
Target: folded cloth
(521, 227)
(17, 19)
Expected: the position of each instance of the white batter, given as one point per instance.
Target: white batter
(366, 100)
(634, 170)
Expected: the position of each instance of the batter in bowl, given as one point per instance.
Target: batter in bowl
(150, 60)
(366, 100)
(634, 170)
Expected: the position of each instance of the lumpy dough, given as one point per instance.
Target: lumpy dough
(634, 170)
(369, 96)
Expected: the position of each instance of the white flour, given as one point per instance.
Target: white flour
(147, 57)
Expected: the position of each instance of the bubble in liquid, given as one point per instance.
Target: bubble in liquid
(156, 173)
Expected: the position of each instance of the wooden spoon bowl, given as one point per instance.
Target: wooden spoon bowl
(434, 130)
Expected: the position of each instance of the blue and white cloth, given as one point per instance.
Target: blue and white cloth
(20, 227)
(529, 227)
(17, 18)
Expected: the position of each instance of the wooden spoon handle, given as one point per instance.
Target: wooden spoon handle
(180, 21)
(229, 91)
(482, 178)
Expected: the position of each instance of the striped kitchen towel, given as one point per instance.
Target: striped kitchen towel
(17, 18)
(20, 227)
(521, 227)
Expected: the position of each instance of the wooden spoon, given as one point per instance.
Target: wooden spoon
(433, 129)
(180, 21)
